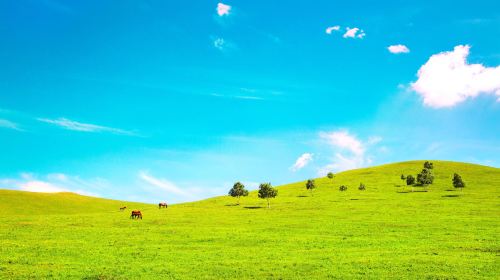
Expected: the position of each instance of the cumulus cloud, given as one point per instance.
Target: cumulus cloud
(8, 124)
(302, 161)
(354, 33)
(84, 127)
(330, 29)
(398, 49)
(349, 151)
(447, 79)
(223, 9)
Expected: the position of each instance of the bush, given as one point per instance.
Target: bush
(310, 185)
(362, 187)
(458, 183)
(410, 180)
(330, 175)
(342, 188)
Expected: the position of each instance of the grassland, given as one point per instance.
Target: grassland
(386, 231)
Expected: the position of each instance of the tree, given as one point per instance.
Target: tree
(425, 177)
(342, 188)
(310, 185)
(403, 178)
(266, 191)
(362, 187)
(410, 181)
(238, 190)
(458, 182)
(428, 165)
(330, 175)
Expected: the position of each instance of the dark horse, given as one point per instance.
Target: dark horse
(123, 208)
(136, 214)
(162, 204)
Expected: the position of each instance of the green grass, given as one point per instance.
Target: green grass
(383, 232)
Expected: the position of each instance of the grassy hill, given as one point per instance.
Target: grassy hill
(386, 231)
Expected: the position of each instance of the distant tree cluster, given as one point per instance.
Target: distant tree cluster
(424, 178)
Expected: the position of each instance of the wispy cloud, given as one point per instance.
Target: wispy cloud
(302, 161)
(84, 127)
(163, 184)
(223, 9)
(354, 33)
(244, 97)
(9, 124)
(447, 79)
(396, 49)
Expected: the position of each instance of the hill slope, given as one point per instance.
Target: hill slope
(32, 203)
(383, 232)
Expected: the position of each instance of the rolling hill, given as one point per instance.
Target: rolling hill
(386, 231)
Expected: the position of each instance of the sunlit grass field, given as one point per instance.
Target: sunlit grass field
(386, 231)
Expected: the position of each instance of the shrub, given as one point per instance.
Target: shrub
(362, 187)
(330, 175)
(310, 185)
(428, 165)
(342, 188)
(458, 182)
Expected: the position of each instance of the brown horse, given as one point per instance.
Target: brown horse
(123, 208)
(162, 204)
(136, 214)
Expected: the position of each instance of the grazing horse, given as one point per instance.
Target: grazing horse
(123, 208)
(136, 214)
(162, 204)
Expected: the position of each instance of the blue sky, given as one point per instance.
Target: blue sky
(177, 100)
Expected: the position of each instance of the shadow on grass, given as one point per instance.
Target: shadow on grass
(233, 204)
(450, 195)
(302, 196)
(253, 207)
(404, 192)
(450, 190)
(354, 198)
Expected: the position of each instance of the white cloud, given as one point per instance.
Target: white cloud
(330, 29)
(223, 9)
(302, 161)
(53, 183)
(162, 184)
(344, 140)
(354, 33)
(398, 49)
(219, 43)
(85, 127)
(8, 124)
(447, 79)
(350, 152)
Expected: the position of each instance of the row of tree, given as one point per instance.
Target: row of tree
(266, 191)
(426, 178)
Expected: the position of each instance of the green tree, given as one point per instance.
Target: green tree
(310, 185)
(342, 188)
(428, 165)
(238, 190)
(425, 177)
(330, 175)
(410, 181)
(458, 182)
(362, 187)
(266, 191)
